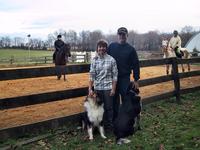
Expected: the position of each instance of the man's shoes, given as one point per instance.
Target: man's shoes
(123, 141)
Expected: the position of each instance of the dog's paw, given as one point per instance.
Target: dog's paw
(126, 141)
(119, 142)
(103, 136)
(79, 128)
(91, 138)
(123, 141)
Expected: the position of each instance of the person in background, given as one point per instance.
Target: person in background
(60, 56)
(127, 61)
(103, 79)
(175, 44)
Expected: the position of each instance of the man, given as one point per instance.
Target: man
(103, 77)
(127, 61)
(175, 44)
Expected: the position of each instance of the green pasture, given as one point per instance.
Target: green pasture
(20, 57)
(19, 53)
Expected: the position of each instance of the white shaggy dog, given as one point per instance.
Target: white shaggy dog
(93, 115)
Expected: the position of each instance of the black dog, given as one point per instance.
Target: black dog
(129, 112)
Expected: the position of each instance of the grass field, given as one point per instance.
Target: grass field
(19, 53)
(19, 57)
(174, 126)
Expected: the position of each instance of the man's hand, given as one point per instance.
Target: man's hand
(135, 84)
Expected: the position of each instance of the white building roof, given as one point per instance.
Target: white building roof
(194, 42)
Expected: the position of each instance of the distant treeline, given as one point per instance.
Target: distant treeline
(86, 40)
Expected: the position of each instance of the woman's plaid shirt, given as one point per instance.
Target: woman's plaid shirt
(103, 70)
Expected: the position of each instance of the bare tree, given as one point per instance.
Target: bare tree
(186, 33)
(18, 41)
(1, 43)
(111, 38)
(84, 40)
(50, 41)
(93, 38)
(71, 37)
(6, 42)
(132, 35)
(87, 40)
(153, 40)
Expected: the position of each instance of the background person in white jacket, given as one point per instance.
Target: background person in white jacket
(175, 44)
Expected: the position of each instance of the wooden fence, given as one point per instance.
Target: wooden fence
(10, 74)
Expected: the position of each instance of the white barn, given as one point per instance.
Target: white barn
(193, 43)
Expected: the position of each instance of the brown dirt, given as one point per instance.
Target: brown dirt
(41, 112)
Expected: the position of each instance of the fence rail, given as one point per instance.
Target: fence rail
(11, 74)
(20, 101)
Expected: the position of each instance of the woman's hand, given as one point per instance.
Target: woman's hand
(112, 92)
(90, 92)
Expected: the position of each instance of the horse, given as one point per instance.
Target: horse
(170, 53)
(60, 58)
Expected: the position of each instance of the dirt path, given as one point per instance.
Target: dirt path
(40, 112)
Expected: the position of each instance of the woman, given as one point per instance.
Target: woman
(103, 77)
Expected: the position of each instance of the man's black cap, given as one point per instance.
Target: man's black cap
(59, 36)
(122, 30)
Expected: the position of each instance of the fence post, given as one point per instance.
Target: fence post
(87, 57)
(11, 60)
(73, 58)
(45, 59)
(176, 79)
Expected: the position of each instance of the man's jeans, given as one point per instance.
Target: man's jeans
(122, 86)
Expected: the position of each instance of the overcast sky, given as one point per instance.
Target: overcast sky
(41, 17)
